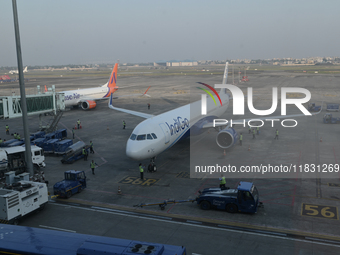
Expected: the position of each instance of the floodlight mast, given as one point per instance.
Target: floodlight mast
(28, 155)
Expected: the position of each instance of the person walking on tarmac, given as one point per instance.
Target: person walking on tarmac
(73, 133)
(254, 133)
(148, 106)
(241, 138)
(85, 154)
(141, 170)
(78, 123)
(222, 182)
(249, 130)
(124, 124)
(93, 166)
(276, 135)
(91, 147)
(7, 129)
(258, 130)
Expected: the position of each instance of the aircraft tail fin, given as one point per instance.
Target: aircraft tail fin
(25, 70)
(112, 83)
(225, 75)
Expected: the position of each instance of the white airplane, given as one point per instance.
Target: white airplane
(158, 133)
(87, 98)
(16, 71)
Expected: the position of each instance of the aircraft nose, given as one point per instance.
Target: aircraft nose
(133, 150)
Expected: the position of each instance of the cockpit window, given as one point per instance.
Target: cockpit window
(141, 137)
(154, 136)
(133, 137)
(149, 137)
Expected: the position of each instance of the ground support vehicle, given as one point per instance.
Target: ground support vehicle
(244, 198)
(38, 134)
(62, 146)
(328, 119)
(314, 108)
(13, 159)
(332, 107)
(37, 241)
(75, 152)
(8, 142)
(19, 198)
(48, 145)
(74, 182)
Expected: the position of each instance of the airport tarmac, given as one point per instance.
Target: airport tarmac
(294, 208)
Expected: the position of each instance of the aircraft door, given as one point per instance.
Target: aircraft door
(166, 133)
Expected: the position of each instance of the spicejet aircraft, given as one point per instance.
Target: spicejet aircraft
(158, 133)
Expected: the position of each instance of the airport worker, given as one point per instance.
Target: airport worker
(0, 140)
(222, 182)
(18, 136)
(93, 166)
(15, 136)
(91, 147)
(241, 138)
(141, 170)
(85, 154)
(148, 106)
(258, 130)
(276, 134)
(124, 124)
(7, 130)
(78, 123)
(73, 132)
(254, 133)
(249, 130)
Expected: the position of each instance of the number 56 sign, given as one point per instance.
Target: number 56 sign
(320, 211)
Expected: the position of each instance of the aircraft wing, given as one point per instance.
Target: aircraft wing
(139, 114)
(241, 121)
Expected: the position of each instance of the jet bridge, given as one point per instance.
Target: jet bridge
(50, 101)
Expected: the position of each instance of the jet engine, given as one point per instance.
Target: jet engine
(227, 138)
(86, 105)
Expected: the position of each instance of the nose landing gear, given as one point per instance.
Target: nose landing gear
(152, 166)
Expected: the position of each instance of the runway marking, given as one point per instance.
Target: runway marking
(291, 235)
(61, 229)
(138, 181)
(320, 211)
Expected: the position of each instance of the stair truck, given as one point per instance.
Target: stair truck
(20, 197)
(13, 159)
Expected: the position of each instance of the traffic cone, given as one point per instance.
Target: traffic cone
(45, 88)
(224, 153)
(119, 191)
(249, 148)
(75, 127)
(80, 126)
(107, 128)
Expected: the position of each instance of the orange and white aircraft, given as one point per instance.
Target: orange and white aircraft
(87, 98)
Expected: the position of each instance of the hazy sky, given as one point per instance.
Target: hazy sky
(102, 31)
